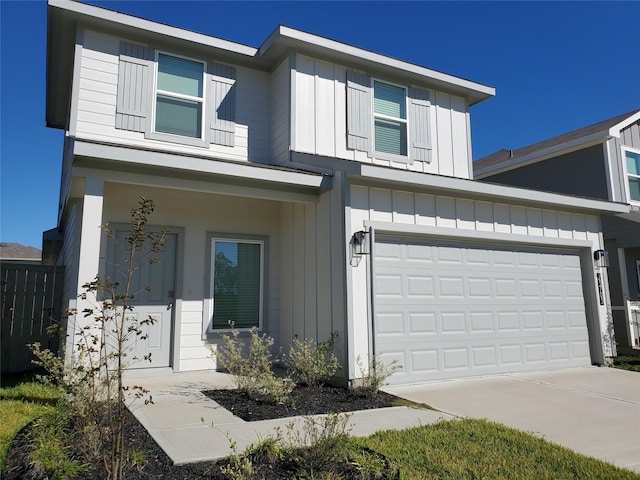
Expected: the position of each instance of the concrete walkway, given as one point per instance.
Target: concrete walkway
(190, 427)
(594, 411)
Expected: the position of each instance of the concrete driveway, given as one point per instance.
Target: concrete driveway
(594, 411)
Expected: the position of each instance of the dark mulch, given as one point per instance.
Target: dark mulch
(159, 466)
(305, 401)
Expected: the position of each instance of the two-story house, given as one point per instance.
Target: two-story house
(312, 187)
(598, 161)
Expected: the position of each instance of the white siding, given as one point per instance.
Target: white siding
(97, 91)
(319, 113)
(280, 112)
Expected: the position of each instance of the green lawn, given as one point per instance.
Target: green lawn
(478, 449)
(627, 362)
(21, 403)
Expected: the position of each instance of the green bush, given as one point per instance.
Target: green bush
(374, 376)
(312, 363)
(251, 367)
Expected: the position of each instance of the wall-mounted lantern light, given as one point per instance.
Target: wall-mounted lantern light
(601, 259)
(361, 243)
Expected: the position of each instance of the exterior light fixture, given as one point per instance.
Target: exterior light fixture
(361, 243)
(601, 259)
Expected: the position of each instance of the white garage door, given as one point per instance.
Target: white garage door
(448, 310)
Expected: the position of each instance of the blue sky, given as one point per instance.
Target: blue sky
(556, 67)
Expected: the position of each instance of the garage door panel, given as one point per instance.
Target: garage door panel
(475, 311)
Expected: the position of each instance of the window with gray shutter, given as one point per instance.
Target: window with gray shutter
(419, 125)
(358, 111)
(223, 104)
(134, 87)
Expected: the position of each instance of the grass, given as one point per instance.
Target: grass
(478, 449)
(22, 400)
(627, 362)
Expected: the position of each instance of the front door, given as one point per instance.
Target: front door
(153, 287)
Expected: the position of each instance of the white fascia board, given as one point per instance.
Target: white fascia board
(104, 15)
(198, 164)
(540, 155)
(488, 191)
(616, 129)
(287, 36)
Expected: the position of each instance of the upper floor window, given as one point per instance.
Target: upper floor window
(179, 96)
(390, 118)
(388, 121)
(633, 175)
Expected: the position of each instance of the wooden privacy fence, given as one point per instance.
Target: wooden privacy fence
(31, 301)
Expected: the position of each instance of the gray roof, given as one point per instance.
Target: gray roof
(507, 155)
(16, 251)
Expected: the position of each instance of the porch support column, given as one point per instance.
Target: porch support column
(88, 253)
(624, 282)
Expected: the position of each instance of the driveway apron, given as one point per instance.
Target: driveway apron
(594, 411)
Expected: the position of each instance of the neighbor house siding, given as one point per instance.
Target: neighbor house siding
(451, 217)
(577, 173)
(97, 98)
(320, 113)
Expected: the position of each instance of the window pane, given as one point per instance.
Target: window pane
(179, 117)
(180, 76)
(237, 283)
(633, 163)
(634, 188)
(391, 137)
(389, 100)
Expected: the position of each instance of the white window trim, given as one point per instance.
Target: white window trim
(196, 141)
(374, 115)
(237, 239)
(626, 149)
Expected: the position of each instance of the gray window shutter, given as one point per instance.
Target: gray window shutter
(358, 111)
(419, 125)
(134, 88)
(223, 104)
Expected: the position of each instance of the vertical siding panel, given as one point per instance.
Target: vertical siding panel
(502, 218)
(425, 209)
(465, 214)
(287, 275)
(305, 102)
(381, 204)
(519, 220)
(325, 109)
(484, 216)
(403, 207)
(445, 152)
(534, 219)
(323, 266)
(550, 222)
(340, 120)
(446, 212)
(280, 112)
(299, 287)
(459, 138)
(310, 271)
(579, 223)
(565, 228)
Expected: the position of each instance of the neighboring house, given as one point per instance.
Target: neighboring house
(599, 161)
(17, 252)
(312, 187)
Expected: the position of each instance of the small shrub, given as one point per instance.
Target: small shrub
(375, 376)
(312, 363)
(252, 370)
(318, 441)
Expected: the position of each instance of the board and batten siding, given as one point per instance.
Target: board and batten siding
(96, 96)
(452, 217)
(312, 279)
(280, 112)
(319, 124)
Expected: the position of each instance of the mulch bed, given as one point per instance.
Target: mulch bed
(159, 465)
(305, 401)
